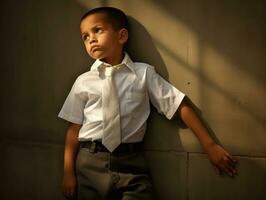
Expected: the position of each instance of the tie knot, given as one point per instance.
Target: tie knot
(109, 71)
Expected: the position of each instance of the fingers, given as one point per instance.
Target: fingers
(228, 165)
(69, 193)
(222, 160)
(232, 160)
(69, 186)
(218, 170)
(228, 169)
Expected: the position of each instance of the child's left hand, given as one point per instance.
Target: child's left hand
(221, 159)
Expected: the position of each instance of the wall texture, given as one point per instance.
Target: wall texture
(212, 50)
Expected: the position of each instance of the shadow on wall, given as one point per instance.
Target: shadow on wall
(141, 48)
(233, 27)
(236, 30)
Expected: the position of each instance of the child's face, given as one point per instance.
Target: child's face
(101, 40)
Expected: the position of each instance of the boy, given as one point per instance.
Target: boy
(107, 108)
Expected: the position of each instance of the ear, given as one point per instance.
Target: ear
(123, 36)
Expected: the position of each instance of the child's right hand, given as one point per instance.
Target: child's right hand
(69, 186)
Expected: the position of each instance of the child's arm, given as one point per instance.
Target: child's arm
(218, 156)
(71, 148)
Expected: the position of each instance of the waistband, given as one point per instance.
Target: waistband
(123, 148)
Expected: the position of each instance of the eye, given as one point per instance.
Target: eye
(98, 30)
(85, 37)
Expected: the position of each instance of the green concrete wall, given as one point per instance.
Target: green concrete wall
(211, 50)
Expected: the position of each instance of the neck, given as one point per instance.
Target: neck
(116, 60)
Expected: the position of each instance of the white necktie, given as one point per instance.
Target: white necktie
(111, 114)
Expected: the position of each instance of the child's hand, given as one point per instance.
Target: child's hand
(222, 160)
(69, 186)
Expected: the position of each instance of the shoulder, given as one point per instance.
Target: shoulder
(80, 78)
(136, 66)
(83, 76)
(143, 67)
(86, 76)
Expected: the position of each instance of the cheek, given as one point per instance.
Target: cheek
(87, 48)
(104, 40)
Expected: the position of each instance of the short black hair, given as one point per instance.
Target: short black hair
(116, 17)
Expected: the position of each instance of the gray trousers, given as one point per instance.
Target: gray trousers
(102, 175)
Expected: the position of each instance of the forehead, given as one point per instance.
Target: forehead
(94, 20)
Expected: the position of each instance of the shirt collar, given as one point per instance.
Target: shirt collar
(126, 60)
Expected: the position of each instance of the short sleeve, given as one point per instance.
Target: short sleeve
(164, 96)
(73, 106)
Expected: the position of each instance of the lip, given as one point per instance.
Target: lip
(95, 48)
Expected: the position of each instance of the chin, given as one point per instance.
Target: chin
(97, 56)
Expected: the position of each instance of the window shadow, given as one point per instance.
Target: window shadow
(141, 47)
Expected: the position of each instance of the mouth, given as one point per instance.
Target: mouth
(95, 48)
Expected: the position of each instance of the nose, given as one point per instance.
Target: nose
(93, 39)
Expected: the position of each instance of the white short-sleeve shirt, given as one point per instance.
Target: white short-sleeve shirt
(138, 84)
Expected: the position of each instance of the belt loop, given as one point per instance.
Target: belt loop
(93, 148)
